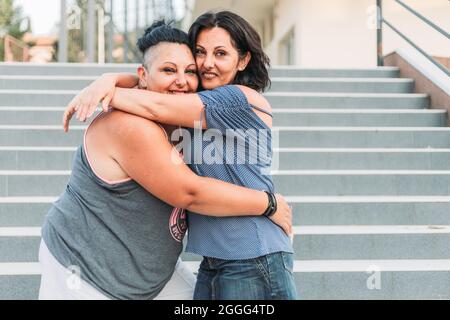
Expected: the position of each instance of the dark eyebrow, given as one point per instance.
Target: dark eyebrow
(192, 64)
(214, 48)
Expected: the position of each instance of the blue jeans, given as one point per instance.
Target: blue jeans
(268, 277)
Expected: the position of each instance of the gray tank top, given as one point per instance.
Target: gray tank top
(124, 241)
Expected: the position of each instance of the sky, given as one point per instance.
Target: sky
(44, 14)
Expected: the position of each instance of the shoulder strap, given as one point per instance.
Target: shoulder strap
(262, 110)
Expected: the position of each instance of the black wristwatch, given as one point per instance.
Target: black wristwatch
(272, 207)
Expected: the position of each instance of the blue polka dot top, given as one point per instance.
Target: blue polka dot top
(236, 148)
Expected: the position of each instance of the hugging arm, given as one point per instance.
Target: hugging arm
(169, 179)
(181, 110)
(99, 91)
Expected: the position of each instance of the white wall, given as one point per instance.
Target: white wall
(328, 33)
(339, 33)
(285, 17)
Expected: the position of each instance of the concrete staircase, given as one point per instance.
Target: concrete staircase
(362, 159)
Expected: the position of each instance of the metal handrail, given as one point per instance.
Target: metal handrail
(381, 20)
(131, 46)
(8, 52)
(431, 24)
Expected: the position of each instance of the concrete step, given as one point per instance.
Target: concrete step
(27, 82)
(311, 100)
(83, 69)
(33, 183)
(367, 242)
(289, 84)
(283, 137)
(29, 135)
(20, 287)
(24, 211)
(371, 242)
(288, 182)
(355, 85)
(36, 158)
(362, 182)
(33, 116)
(55, 98)
(310, 243)
(360, 117)
(370, 210)
(362, 159)
(364, 279)
(36, 98)
(378, 72)
(361, 137)
(282, 117)
(19, 248)
(64, 69)
(60, 158)
(430, 281)
(308, 210)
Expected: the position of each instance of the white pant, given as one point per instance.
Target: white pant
(60, 283)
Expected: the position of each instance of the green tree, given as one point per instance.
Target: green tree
(12, 22)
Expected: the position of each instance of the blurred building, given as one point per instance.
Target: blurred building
(41, 49)
(334, 33)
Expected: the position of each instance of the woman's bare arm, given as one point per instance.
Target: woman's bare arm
(162, 172)
(183, 110)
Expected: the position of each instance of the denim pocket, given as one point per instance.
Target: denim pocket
(263, 268)
(288, 261)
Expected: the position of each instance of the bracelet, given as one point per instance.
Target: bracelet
(272, 207)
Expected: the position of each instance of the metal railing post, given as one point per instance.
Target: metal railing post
(408, 40)
(101, 34)
(62, 46)
(125, 32)
(380, 62)
(90, 31)
(111, 32)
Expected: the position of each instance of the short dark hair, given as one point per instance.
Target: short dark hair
(245, 39)
(158, 32)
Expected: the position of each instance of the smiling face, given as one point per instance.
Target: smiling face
(169, 68)
(218, 60)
